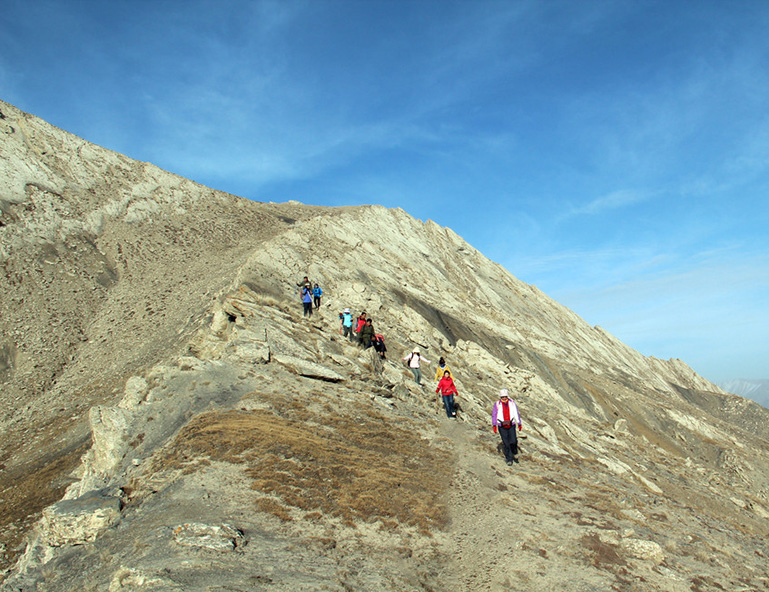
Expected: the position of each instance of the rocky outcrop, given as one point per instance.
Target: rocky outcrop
(81, 520)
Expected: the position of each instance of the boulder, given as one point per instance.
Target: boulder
(645, 550)
(134, 579)
(81, 520)
(221, 537)
(308, 369)
(253, 353)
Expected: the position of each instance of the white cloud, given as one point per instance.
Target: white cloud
(613, 201)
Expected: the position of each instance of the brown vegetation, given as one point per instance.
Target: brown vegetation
(346, 468)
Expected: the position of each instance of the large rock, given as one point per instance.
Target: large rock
(308, 369)
(214, 537)
(81, 520)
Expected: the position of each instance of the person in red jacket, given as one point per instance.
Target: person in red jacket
(505, 418)
(447, 389)
(360, 322)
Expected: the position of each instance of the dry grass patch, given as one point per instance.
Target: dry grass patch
(601, 554)
(26, 490)
(361, 468)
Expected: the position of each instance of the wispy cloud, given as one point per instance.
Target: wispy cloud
(613, 201)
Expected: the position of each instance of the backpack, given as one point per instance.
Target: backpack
(379, 344)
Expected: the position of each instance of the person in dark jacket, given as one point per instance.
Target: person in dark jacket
(379, 345)
(367, 334)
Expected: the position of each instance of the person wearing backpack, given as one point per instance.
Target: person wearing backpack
(305, 283)
(413, 361)
(316, 294)
(505, 418)
(346, 319)
(447, 389)
(307, 301)
(379, 345)
(367, 334)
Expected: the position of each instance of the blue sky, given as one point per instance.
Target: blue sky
(615, 154)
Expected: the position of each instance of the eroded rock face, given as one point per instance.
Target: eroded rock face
(205, 435)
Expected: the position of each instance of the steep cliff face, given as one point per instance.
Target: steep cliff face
(172, 421)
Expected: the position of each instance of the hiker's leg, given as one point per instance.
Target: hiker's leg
(507, 435)
(447, 404)
(513, 440)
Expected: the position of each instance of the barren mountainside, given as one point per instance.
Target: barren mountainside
(172, 421)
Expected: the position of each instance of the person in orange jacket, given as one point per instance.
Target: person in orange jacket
(504, 418)
(447, 389)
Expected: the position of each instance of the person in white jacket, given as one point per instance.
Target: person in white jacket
(414, 360)
(505, 418)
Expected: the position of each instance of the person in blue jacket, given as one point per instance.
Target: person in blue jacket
(307, 300)
(316, 294)
(346, 327)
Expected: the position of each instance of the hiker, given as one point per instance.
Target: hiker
(447, 389)
(346, 323)
(316, 294)
(360, 322)
(505, 417)
(367, 334)
(442, 367)
(414, 360)
(305, 283)
(379, 346)
(307, 301)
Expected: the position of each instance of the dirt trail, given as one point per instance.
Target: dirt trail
(476, 535)
(504, 550)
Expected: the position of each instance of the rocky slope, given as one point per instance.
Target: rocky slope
(172, 422)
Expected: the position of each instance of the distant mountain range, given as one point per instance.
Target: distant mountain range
(757, 390)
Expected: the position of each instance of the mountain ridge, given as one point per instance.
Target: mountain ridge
(758, 390)
(170, 394)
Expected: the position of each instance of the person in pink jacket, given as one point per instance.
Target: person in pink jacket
(505, 418)
(447, 389)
